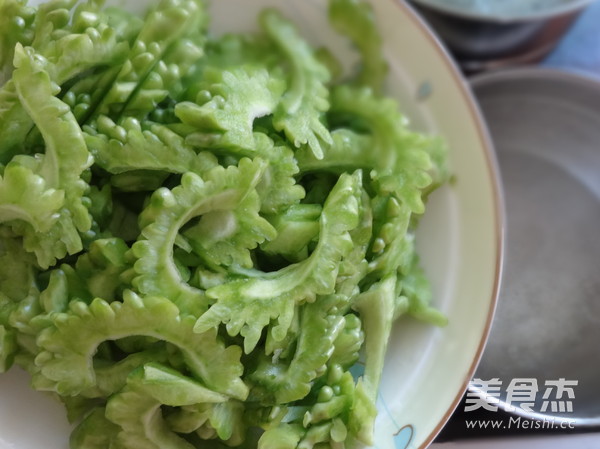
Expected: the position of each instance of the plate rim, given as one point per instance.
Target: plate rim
(493, 169)
(535, 72)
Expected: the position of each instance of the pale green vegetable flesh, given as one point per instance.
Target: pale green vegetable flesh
(200, 236)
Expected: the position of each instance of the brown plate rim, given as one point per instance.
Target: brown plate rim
(498, 198)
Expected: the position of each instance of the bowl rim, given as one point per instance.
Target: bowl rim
(567, 8)
(493, 169)
(581, 78)
(539, 72)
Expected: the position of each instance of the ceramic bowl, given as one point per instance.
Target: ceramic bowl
(546, 126)
(505, 11)
(483, 39)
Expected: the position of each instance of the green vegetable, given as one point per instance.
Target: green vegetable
(225, 110)
(94, 432)
(129, 147)
(300, 113)
(16, 20)
(64, 48)
(200, 236)
(229, 228)
(64, 360)
(24, 196)
(168, 22)
(7, 348)
(399, 157)
(137, 409)
(248, 305)
(65, 159)
(376, 307)
(354, 19)
(278, 188)
(319, 328)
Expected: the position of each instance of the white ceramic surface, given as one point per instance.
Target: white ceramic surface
(460, 240)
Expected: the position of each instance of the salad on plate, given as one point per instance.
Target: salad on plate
(204, 240)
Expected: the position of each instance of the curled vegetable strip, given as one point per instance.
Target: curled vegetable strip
(325, 422)
(56, 296)
(136, 409)
(112, 377)
(326, 336)
(296, 228)
(376, 307)
(67, 53)
(97, 45)
(67, 346)
(12, 116)
(8, 335)
(314, 348)
(102, 272)
(163, 26)
(225, 420)
(300, 111)
(62, 239)
(238, 50)
(64, 161)
(391, 244)
(166, 78)
(16, 20)
(356, 20)
(416, 294)
(278, 188)
(227, 202)
(400, 157)
(26, 319)
(95, 431)
(247, 306)
(66, 155)
(348, 343)
(284, 436)
(227, 106)
(354, 267)
(349, 150)
(8, 347)
(128, 146)
(51, 19)
(25, 196)
(17, 270)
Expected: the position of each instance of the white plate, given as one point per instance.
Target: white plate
(460, 239)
